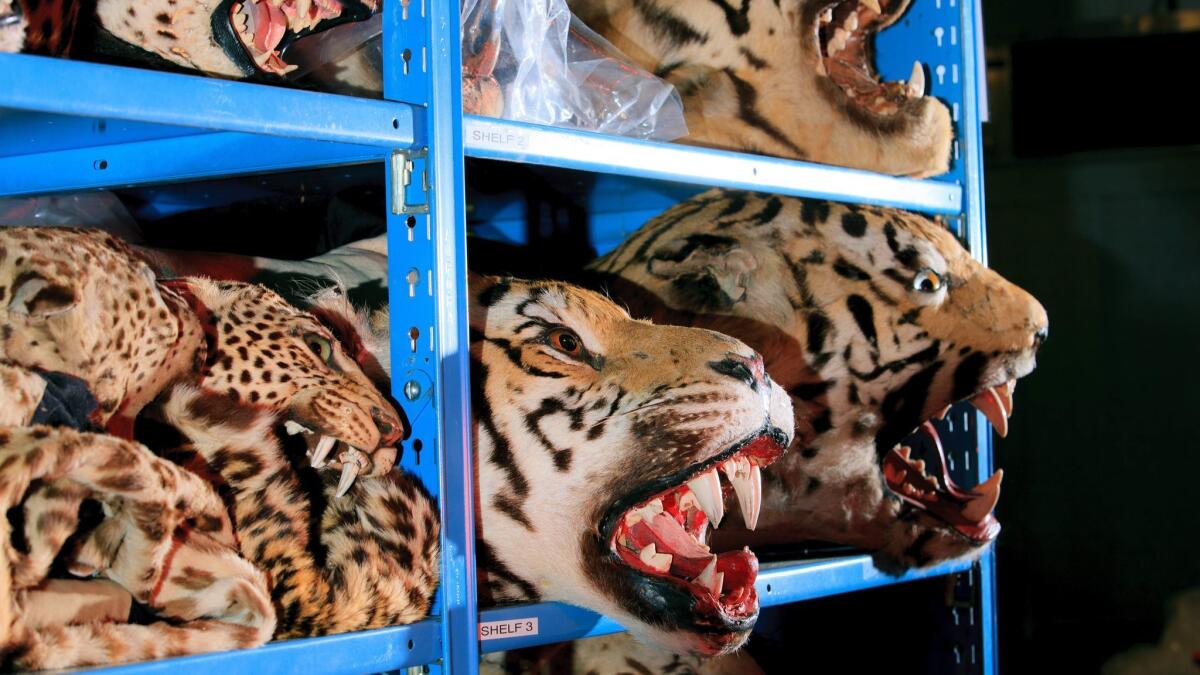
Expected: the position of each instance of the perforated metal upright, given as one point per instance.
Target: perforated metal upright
(70, 126)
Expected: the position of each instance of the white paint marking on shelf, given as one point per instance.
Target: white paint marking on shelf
(954, 73)
(953, 35)
(938, 33)
(497, 630)
(956, 111)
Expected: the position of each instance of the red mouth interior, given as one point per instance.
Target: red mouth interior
(667, 534)
(968, 511)
(844, 33)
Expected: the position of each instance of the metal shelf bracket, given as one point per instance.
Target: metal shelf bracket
(405, 163)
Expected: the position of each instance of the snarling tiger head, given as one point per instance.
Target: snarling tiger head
(601, 444)
(792, 78)
(875, 321)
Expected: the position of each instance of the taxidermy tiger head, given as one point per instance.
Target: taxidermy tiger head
(875, 321)
(792, 78)
(601, 443)
(234, 38)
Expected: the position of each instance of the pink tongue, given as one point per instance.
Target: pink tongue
(269, 23)
(688, 557)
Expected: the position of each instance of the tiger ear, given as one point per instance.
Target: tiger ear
(39, 298)
(706, 272)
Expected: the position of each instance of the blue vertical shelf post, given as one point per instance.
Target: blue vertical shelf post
(428, 284)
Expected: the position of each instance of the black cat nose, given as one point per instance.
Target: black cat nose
(741, 368)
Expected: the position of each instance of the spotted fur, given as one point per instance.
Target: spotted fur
(335, 564)
(826, 293)
(751, 79)
(166, 542)
(82, 302)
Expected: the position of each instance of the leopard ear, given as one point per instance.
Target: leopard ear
(707, 272)
(39, 298)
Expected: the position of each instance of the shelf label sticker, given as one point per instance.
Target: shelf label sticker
(503, 139)
(495, 630)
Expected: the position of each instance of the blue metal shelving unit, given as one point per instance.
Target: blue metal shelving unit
(70, 126)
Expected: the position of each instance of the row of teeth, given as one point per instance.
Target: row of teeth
(987, 493)
(915, 85)
(704, 493)
(301, 15)
(325, 444)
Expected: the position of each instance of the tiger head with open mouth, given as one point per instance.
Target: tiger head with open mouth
(791, 78)
(874, 320)
(606, 449)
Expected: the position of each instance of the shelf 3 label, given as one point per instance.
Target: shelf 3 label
(495, 630)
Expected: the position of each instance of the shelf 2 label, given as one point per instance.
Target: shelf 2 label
(495, 630)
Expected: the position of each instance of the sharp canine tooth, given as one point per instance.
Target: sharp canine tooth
(323, 447)
(827, 15)
(916, 81)
(710, 578)
(851, 22)
(989, 404)
(1005, 394)
(349, 473)
(872, 5)
(989, 493)
(747, 485)
(707, 488)
(659, 562)
(293, 428)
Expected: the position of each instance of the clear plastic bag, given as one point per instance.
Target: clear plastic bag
(523, 60)
(552, 69)
(101, 210)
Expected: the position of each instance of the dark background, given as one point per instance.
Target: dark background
(1101, 497)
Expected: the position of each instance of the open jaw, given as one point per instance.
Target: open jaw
(324, 448)
(261, 30)
(969, 512)
(660, 531)
(844, 34)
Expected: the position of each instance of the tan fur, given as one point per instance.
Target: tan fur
(780, 273)
(813, 117)
(165, 528)
(559, 439)
(380, 541)
(81, 302)
(20, 393)
(269, 354)
(178, 32)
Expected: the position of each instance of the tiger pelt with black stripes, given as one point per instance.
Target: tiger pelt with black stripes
(874, 320)
(600, 442)
(791, 78)
(238, 366)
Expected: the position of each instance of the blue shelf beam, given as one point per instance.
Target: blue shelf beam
(166, 160)
(586, 151)
(778, 584)
(371, 651)
(64, 87)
